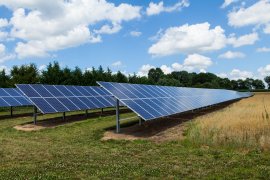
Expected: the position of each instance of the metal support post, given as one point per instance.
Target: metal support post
(11, 111)
(64, 115)
(140, 121)
(117, 117)
(35, 115)
(86, 113)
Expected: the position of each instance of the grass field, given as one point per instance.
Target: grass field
(214, 148)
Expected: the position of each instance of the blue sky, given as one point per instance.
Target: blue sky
(227, 37)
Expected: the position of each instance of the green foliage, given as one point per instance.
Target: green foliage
(4, 79)
(55, 74)
(25, 74)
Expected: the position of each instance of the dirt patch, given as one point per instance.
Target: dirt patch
(29, 127)
(58, 121)
(139, 132)
(164, 129)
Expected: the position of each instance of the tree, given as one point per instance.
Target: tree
(155, 74)
(25, 74)
(258, 84)
(120, 77)
(183, 77)
(77, 76)
(53, 74)
(168, 82)
(4, 79)
(267, 80)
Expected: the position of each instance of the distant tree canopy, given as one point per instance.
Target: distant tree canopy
(55, 74)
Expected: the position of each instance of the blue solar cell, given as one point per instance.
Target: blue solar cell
(43, 105)
(23, 101)
(3, 92)
(12, 92)
(3, 103)
(96, 101)
(101, 91)
(54, 91)
(64, 90)
(91, 90)
(59, 107)
(69, 104)
(83, 91)
(74, 91)
(42, 91)
(12, 101)
(80, 102)
(138, 109)
(28, 90)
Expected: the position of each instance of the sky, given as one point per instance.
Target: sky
(230, 38)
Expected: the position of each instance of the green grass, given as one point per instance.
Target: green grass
(75, 151)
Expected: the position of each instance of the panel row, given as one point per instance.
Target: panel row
(14, 101)
(39, 90)
(136, 91)
(159, 107)
(151, 102)
(62, 104)
(11, 92)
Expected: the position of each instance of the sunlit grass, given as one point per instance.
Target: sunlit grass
(245, 123)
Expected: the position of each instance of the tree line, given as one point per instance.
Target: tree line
(54, 74)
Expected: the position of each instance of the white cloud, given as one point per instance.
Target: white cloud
(42, 67)
(188, 39)
(143, 71)
(46, 26)
(117, 64)
(256, 14)
(236, 74)
(267, 29)
(155, 9)
(3, 22)
(247, 39)
(106, 29)
(40, 48)
(227, 3)
(4, 56)
(166, 69)
(232, 55)
(193, 62)
(264, 71)
(196, 61)
(263, 49)
(222, 75)
(135, 33)
(7, 70)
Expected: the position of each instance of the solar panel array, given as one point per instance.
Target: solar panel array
(61, 98)
(151, 101)
(12, 97)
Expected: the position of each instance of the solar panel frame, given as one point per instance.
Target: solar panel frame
(167, 100)
(10, 97)
(65, 98)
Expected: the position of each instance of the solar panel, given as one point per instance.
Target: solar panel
(61, 98)
(151, 101)
(12, 97)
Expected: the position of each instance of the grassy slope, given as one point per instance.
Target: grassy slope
(75, 151)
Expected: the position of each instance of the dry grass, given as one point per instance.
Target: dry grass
(245, 123)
